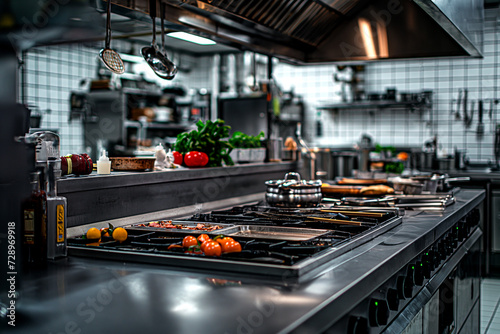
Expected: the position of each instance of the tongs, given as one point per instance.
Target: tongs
(365, 201)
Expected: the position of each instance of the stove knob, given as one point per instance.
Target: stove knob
(405, 287)
(462, 230)
(453, 238)
(427, 263)
(357, 325)
(441, 251)
(418, 273)
(393, 299)
(378, 312)
(410, 274)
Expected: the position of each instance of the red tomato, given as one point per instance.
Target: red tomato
(232, 246)
(223, 240)
(189, 241)
(213, 249)
(203, 159)
(202, 237)
(195, 159)
(204, 244)
(177, 158)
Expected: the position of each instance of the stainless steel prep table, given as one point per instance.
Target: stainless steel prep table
(94, 296)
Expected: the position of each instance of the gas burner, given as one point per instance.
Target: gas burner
(274, 241)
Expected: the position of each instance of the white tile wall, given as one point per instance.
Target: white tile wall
(53, 72)
(403, 127)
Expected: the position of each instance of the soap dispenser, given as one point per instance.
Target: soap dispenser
(103, 164)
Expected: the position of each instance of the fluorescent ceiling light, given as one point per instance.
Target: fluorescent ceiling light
(191, 38)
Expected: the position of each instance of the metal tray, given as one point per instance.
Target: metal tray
(272, 232)
(187, 224)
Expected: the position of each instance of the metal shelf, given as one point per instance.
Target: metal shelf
(157, 125)
(375, 104)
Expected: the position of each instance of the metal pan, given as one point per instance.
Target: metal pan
(276, 233)
(186, 227)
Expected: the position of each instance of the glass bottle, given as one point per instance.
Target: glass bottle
(35, 224)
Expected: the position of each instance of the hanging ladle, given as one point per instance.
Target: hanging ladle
(160, 64)
(109, 57)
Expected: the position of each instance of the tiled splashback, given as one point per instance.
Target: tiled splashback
(400, 127)
(49, 74)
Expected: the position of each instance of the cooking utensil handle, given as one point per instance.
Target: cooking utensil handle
(480, 110)
(464, 105)
(162, 10)
(292, 176)
(463, 178)
(152, 14)
(108, 25)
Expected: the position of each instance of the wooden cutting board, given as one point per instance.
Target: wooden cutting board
(344, 190)
(353, 181)
(341, 190)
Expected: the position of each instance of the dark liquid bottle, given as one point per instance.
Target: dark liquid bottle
(35, 224)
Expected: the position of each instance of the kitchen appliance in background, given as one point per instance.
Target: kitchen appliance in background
(365, 145)
(344, 163)
(247, 114)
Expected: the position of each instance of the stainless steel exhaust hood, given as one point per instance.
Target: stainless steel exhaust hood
(318, 31)
(296, 31)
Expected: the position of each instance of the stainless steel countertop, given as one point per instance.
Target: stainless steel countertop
(96, 296)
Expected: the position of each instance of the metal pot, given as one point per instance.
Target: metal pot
(293, 192)
(344, 163)
(438, 183)
(407, 186)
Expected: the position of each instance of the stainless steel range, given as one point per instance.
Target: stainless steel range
(275, 241)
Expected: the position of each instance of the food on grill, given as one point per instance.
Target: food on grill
(232, 246)
(213, 248)
(189, 241)
(202, 238)
(194, 250)
(204, 244)
(169, 224)
(120, 234)
(377, 190)
(105, 232)
(93, 233)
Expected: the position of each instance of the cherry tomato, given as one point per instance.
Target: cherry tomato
(232, 246)
(202, 237)
(205, 243)
(195, 159)
(177, 158)
(213, 249)
(223, 240)
(189, 241)
(203, 159)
